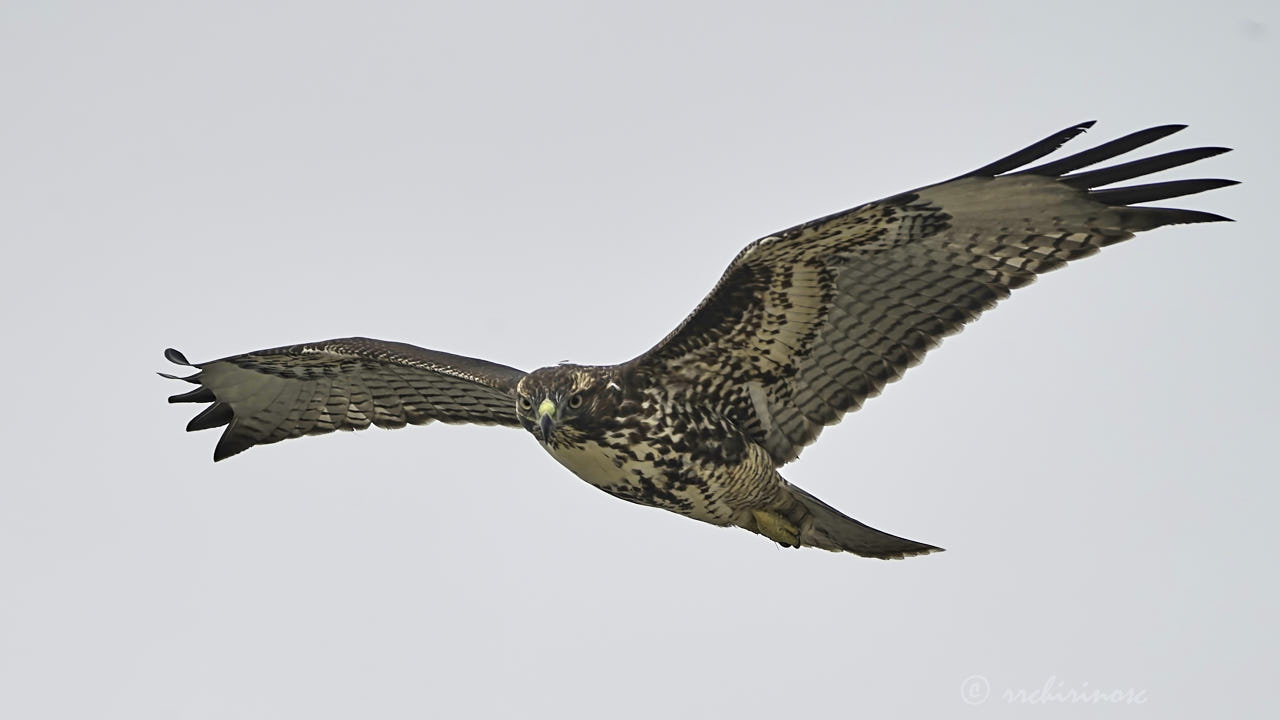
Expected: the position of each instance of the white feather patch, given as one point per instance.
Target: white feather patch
(761, 404)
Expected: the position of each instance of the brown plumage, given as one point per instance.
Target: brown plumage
(803, 327)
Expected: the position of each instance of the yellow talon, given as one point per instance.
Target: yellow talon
(776, 528)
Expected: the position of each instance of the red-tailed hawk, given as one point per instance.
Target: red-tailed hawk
(804, 326)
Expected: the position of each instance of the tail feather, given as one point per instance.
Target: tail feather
(822, 526)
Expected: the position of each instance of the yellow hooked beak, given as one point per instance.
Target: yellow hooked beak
(546, 418)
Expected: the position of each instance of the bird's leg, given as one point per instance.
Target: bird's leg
(777, 528)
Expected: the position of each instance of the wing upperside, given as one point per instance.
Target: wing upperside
(280, 393)
(818, 318)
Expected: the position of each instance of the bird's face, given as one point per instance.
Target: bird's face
(556, 402)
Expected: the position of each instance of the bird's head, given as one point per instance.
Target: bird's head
(563, 401)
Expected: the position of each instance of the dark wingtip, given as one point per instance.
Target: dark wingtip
(216, 415)
(1186, 217)
(199, 395)
(1149, 218)
(1105, 151)
(1160, 132)
(194, 379)
(1074, 130)
(1032, 152)
(176, 357)
(1152, 192)
(1138, 168)
(1212, 217)
(226, 448)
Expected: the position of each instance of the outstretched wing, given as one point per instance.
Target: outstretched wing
(348, 384)
(807, 324)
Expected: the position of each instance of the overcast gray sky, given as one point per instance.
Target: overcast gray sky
(538, 182)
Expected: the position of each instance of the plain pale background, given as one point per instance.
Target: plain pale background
(537, 182)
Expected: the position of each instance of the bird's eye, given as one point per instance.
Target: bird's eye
(525, 403)
(575, 402)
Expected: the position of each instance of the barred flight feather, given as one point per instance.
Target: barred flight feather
(898, 275)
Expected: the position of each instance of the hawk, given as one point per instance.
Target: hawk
(803, 327)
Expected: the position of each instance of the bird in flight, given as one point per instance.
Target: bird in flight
(803, 327)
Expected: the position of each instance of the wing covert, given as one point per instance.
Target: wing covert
(345, 384)
(808, 323)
